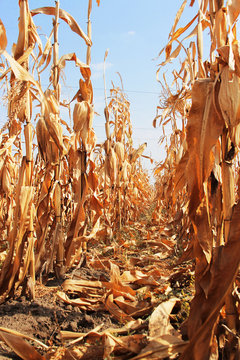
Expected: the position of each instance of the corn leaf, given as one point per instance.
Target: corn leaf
(48, 10)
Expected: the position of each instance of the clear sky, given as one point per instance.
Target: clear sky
(134, 31)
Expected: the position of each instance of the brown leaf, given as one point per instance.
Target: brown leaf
(86, 73)
(229, 98)
(203, 249)
(137, 153)
(86, 90)
(128, 307)
(169, 58)
(47, 147)
(204, 127)
(93, 184)
(205, 310)
(118, 314)
(20, 346)
(180, 31)
(96, 205)
(71, 57)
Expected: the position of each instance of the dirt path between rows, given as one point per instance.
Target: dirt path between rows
(140, 264)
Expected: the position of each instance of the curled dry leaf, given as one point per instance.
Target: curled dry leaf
(48, 10)
(72, 57)
(47, 52)
(117, 313)
(47, 147)
(86, 90)
(131, 343)
(137, 153)
(159, 322)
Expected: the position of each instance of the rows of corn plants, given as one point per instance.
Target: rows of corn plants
(198, 183)
(61, 188)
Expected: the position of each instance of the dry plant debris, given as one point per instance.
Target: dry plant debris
(140, 293)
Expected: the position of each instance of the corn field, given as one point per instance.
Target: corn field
(163, 260)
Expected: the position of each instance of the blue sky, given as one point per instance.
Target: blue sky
(134, 31)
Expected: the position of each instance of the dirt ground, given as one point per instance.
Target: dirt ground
(46, 316)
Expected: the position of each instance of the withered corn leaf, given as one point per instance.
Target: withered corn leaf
(20, 346)
(205, 309)
(65, 16)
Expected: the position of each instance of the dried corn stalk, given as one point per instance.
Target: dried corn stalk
(206, 166)
(38, 207)
(124, 196)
